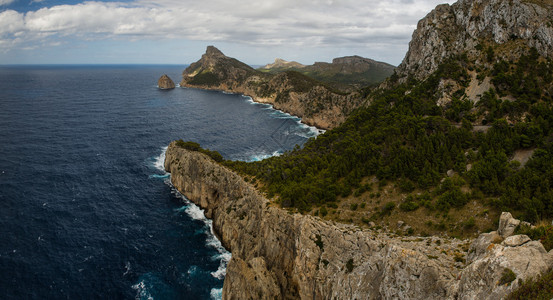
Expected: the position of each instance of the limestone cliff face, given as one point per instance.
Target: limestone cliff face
(291, 92)
(471, 25)
(280, 255)
(165, 83)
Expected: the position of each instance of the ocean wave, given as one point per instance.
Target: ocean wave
(216, 294)
(159, 161)
(164, 176)
(261, 156)
(196, 213)
(309, 131)
(142, 292)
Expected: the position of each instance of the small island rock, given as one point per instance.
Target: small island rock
(165, 83)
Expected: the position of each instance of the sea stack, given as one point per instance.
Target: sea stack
(165, 83)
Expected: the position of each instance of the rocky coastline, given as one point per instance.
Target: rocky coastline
(292, 256)
(290, 92)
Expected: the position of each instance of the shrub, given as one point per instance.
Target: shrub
(323, 211)
(542, 233)
(409, 205)
(319, 242)
(192, 146)
(349, 265)
(387, 208)
(507, 277)
(536, 288)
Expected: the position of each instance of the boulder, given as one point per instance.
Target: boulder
(515, 240)
(165, 83)
(507, 225)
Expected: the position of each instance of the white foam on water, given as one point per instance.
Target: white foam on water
(159, 162)
(262, 156)
(309, 131)
(127, 268)
(142, 291)
(196, 213)
(192, 270)
(312, 131)
(216, 294)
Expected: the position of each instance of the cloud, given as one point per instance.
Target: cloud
(312, 23)
(6, 2)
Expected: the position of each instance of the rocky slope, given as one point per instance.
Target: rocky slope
(472, 26)
(290, 91)
(165, 83)
(276, 254)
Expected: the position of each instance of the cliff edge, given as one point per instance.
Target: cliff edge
(276, 254)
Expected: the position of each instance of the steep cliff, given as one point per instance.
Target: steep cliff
(472, 26)
(289, 91)
(276, 254)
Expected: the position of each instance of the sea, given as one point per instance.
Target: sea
(86, 208)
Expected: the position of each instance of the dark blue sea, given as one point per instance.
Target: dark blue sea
(86, 210)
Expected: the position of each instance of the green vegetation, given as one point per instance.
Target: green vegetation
(507, 276)
(542, 233)
(319, 242)
(205, 78)
(349, 265)
(341, 75)
(192, 146)
(404, 137)
(537, 288)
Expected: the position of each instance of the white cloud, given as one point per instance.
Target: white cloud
(6, 2)
(312, 23)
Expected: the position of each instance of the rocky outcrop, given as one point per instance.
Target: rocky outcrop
(470, 26)
(165, 83)
(289, 256)
(289, 91)
(492, 254)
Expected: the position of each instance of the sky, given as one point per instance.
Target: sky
(178, 31)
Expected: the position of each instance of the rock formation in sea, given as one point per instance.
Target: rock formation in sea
(165, 82)
(276, 254)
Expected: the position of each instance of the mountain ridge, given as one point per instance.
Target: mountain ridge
(346, 73)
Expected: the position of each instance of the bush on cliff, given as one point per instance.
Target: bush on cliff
(192, 146)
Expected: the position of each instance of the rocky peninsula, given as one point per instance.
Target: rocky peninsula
(277, 254)
(289, 91)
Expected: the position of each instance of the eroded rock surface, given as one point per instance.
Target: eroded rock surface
(469, 26)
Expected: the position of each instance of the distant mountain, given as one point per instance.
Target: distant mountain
(282, 65)
(349, 72)
(315, 102)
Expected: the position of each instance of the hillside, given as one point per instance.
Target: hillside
(460, 134)
(313, 101)
(448, 142)
(344, 73)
